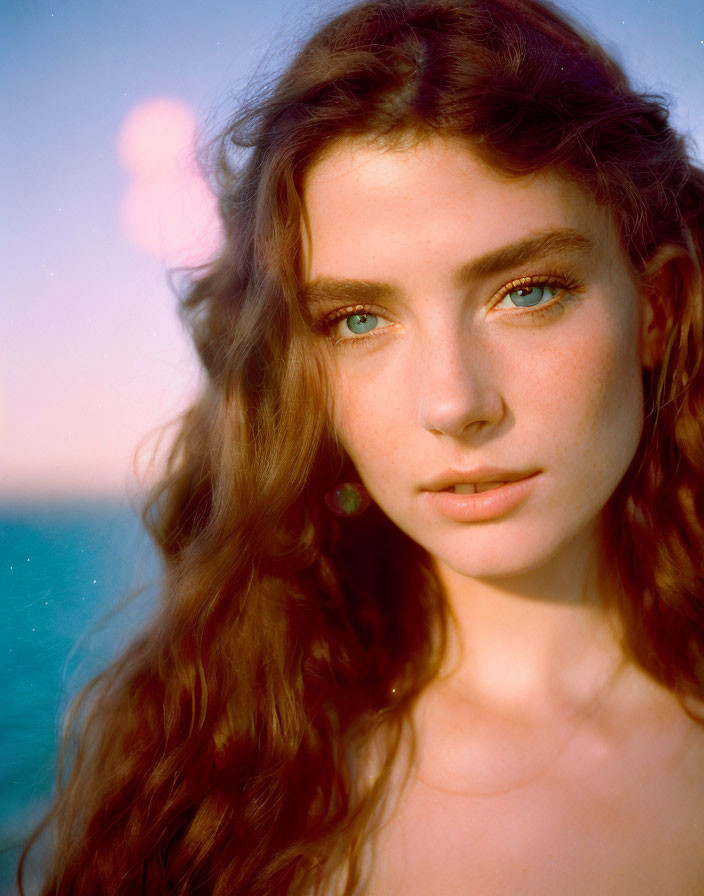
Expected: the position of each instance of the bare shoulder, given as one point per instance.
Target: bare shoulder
(613, 805)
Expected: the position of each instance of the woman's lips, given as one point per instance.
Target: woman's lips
(482, 475)
(470, 488)
(489, 501)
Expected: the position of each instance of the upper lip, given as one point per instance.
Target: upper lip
(476, 474)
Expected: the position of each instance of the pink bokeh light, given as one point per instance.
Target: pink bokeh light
(156, 138)
(168, 210)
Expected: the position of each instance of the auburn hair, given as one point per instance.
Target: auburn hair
(218, 754)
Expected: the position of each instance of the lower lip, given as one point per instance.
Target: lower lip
(482, 505)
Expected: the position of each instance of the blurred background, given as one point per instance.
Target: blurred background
(102, 104)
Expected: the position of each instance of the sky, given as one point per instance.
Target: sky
(101, 102)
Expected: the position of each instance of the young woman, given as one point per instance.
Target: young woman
(433, 600)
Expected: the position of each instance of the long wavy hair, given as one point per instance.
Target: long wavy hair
(220, 753)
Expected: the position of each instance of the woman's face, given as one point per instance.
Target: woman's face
(486, 328)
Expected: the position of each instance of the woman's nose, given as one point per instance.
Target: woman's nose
(457, 389)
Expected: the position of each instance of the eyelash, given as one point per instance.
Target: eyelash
(568, 289)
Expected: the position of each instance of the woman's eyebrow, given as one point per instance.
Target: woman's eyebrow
(514, 254)
(331, 290)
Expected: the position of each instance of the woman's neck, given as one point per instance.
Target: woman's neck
(538, 645)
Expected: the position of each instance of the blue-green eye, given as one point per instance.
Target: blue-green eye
(352, 324)
(361, 323)
(529, 295)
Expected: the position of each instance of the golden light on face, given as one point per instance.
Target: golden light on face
(481, 328)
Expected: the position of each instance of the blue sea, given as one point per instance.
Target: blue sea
(65, 569)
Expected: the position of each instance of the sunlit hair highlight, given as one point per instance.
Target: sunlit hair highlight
(221, 753)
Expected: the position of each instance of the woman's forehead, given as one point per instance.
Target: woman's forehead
(370, 168)
(362, 198)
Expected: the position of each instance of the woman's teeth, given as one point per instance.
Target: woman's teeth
(469, 488)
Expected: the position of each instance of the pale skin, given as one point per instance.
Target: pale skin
(547, 762)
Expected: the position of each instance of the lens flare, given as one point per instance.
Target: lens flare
(168, 210)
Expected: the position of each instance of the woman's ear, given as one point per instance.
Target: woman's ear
(661, 283)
